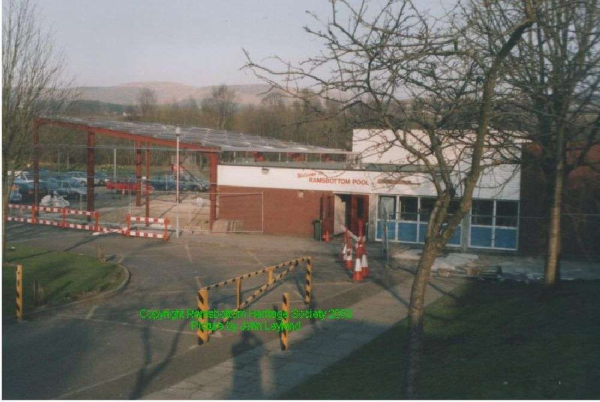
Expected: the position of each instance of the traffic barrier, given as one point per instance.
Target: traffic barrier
(285, 307)
(95, 226)
(308, 287)
(271, 281)
(203, 332)
(19, 292)
(146, 234)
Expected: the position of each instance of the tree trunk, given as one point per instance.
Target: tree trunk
(416, 313)
(551, 272)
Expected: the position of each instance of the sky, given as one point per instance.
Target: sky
(194, 42)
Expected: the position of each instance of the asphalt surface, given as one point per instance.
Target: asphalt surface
(101, 349)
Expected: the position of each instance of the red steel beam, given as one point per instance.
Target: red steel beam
(125, 135)
(147, 157)
(214, 162)
(36, 163)
(138, 174)
(90, 172)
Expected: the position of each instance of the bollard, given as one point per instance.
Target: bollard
(239, 293)
(128, 221)
(203, 307)
(19, 294)
(166, 233)
(307, 289)
(285, 306)
(270, 276)
(63, 223)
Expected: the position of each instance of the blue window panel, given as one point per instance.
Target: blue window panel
(506, 238)
(455, 239)
(391, 230)
(481, 236)
(407, 231)
(422, 230)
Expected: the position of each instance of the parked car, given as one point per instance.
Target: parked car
(169, 183)
(126, 185)
(26, 190)
(79, 176)
(100, 178)
(71, 189)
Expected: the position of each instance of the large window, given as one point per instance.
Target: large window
(410, 224)
(410, 208)
(494, 224)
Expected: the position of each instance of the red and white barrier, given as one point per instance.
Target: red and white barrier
(145, 234)
(63, 223)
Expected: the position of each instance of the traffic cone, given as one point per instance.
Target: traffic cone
(349, 259)
(343, 253)
(357, 275)
(326, 237)
(365, 266)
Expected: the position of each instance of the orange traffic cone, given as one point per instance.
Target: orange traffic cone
(326, 237)
(349, 258)
(357, 275)
(343, 253)
(365, 266)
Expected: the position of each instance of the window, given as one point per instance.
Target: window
(506, 213)
(387, 205)
(427, 205)
(482, 212)
(410, 208)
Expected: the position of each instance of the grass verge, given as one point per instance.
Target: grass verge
(483, 341)
(65, 277)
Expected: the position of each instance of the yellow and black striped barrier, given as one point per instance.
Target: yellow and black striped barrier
(285, 306)
(203, 306)
(19, 293)
(203, 333)
(307, 288)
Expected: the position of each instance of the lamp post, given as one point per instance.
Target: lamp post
(177, 133)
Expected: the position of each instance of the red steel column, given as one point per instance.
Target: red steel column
(214, 163)
(147, 182)
(36, 163)
(90, 171)
(138, 174)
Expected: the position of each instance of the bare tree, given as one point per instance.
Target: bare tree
(556, 77)
(448, 69)
(33, 84)
(220, 107)
(147, 102)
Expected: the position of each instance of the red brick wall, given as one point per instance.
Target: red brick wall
(286, 212)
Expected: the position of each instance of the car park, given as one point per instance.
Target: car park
(26, 191)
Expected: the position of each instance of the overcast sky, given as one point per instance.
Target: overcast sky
(195, 42)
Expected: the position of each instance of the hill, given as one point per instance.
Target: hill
(167, 92)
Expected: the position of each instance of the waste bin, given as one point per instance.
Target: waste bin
(317, 230)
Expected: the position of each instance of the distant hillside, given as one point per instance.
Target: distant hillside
(167, 92)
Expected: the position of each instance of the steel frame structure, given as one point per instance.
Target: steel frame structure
(141, 142)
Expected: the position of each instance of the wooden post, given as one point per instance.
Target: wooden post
(285, 307)
(203, 307)
(239, 293)
(307, 288)
(270, 276)
(19, 293)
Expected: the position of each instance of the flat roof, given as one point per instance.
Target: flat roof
(226, 141)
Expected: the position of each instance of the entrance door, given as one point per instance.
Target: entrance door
(327, 213)
(358, 212)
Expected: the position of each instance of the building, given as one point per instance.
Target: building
(376, 179)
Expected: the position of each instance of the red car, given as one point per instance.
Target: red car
(126, 185)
